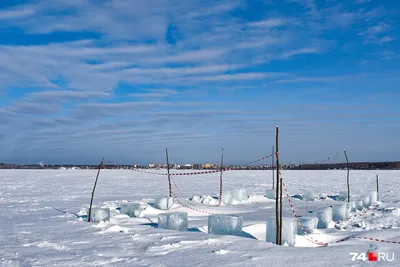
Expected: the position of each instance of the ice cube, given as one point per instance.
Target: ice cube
(324, 217)
(227, 198)
(173, 221)
(307, 195)
(222, 224)
(339, 212)
(99, 214)
(131, 209)
(164, 203)
(367, 201)
(289, 230)
(240, 194)
(308, 223)
(270, 193)
(342, 196)
(374, 197)
(359, 204)
(353, 206)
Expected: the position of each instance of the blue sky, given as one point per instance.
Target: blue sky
(84, 79)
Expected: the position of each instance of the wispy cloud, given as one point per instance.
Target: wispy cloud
(170, 72)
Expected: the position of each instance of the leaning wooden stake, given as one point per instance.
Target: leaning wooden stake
(377, 185)
(277, 217)
(272, 167)
(94, 188)
(169, 176)
(348, 172)
(220, 177)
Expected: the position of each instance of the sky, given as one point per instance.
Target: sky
(82, 79)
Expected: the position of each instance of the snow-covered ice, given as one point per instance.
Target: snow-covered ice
(40, 224)
(223, 224)
(174, 221)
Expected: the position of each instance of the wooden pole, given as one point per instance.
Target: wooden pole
(220, 178)
(94, 188)
(169, 176)
(277, 189)
(377, 185)
(348, 172)
(280, 212)
(272, 167)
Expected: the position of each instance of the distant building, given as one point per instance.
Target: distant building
(152, 165)
(206, 166)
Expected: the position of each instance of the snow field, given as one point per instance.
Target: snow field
(39, 228)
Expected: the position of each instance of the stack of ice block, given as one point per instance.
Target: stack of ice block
(173, 221)
(221, 224)
(289, 230)
(374, 197)
(324, 217)
(309, 224)
(270, 193)
(99, 214)
(164, 203)
(359, 204)
(131, 209)
(307, 195)
(339, 212)
(227, 198)
(240, 194)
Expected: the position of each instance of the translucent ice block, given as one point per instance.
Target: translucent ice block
(339, 212)
(227, 198)
(342, 196)
(173, 221)
(131, 209)
(164, 203)
(359, 204)
(353, 206)
(222, 224)
(374, 197)
(324, 217)
(367, 201)
(308, 223)
(307, 195)
(289, 230)
(99, 214)
(240, 194)
(270, 193)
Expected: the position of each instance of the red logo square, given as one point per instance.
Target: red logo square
(372, 256)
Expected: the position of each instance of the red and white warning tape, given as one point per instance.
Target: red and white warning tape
(306, 235)
(186, 206)
(202, 172)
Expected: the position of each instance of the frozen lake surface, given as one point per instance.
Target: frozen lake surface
(38, 226)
